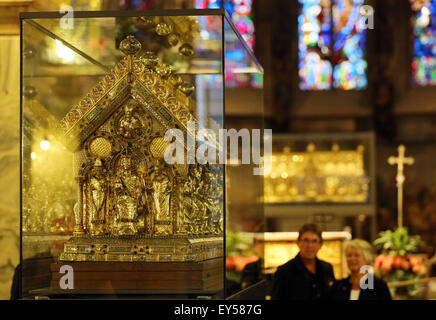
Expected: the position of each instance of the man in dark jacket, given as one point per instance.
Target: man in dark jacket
(305, 277)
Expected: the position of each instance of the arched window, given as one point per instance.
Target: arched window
(331, 45)
(424, 42)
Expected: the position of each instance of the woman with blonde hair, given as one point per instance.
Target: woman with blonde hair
(361, 284)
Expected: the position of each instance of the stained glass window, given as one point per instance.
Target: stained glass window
(349, 43)
(207, 4)
(314, 26)
(424, 42)
(331, 45)
(135, 4)
(240, 11)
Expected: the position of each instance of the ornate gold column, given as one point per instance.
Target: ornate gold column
(78, 228)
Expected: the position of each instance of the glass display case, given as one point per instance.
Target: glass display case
(120, 118)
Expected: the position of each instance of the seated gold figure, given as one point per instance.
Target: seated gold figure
(127, 195)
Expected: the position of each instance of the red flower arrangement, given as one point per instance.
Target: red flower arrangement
(398, 260)
(407, 263)
(238, 263)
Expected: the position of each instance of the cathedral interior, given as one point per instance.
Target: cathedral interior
(347, 88)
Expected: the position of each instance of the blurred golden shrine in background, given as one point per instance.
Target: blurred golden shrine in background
(337, 176)
(280, 247)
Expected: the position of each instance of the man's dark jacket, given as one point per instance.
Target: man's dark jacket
(292, 281)
(342, 288)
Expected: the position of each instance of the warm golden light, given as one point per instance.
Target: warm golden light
(340, 176)
(64, 52)
(44, 145)
(33, 155)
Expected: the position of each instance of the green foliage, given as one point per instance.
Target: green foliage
(234, 276)
(238, 243)
(397, 242)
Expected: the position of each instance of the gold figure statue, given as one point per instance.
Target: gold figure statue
(131, 205)
(128, 196)
(130, 126)
(188, 207)
(98, 190)
(162, 190)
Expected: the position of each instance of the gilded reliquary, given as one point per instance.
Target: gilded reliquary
(132, 205)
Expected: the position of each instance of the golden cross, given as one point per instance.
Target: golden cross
(401, 160)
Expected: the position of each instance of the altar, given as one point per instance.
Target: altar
(326, 178)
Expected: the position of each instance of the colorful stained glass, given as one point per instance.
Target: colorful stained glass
(240, 12)
(207, 4)
(424, 41)
(136, 4)
(349, 43)
(326, 63)
(314, 41)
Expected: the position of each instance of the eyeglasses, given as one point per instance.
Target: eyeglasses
(313, 241)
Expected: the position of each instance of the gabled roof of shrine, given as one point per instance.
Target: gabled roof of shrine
(147, 81)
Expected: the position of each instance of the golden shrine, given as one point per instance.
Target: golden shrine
(337, 176)
(132, 206)
(98, 195)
